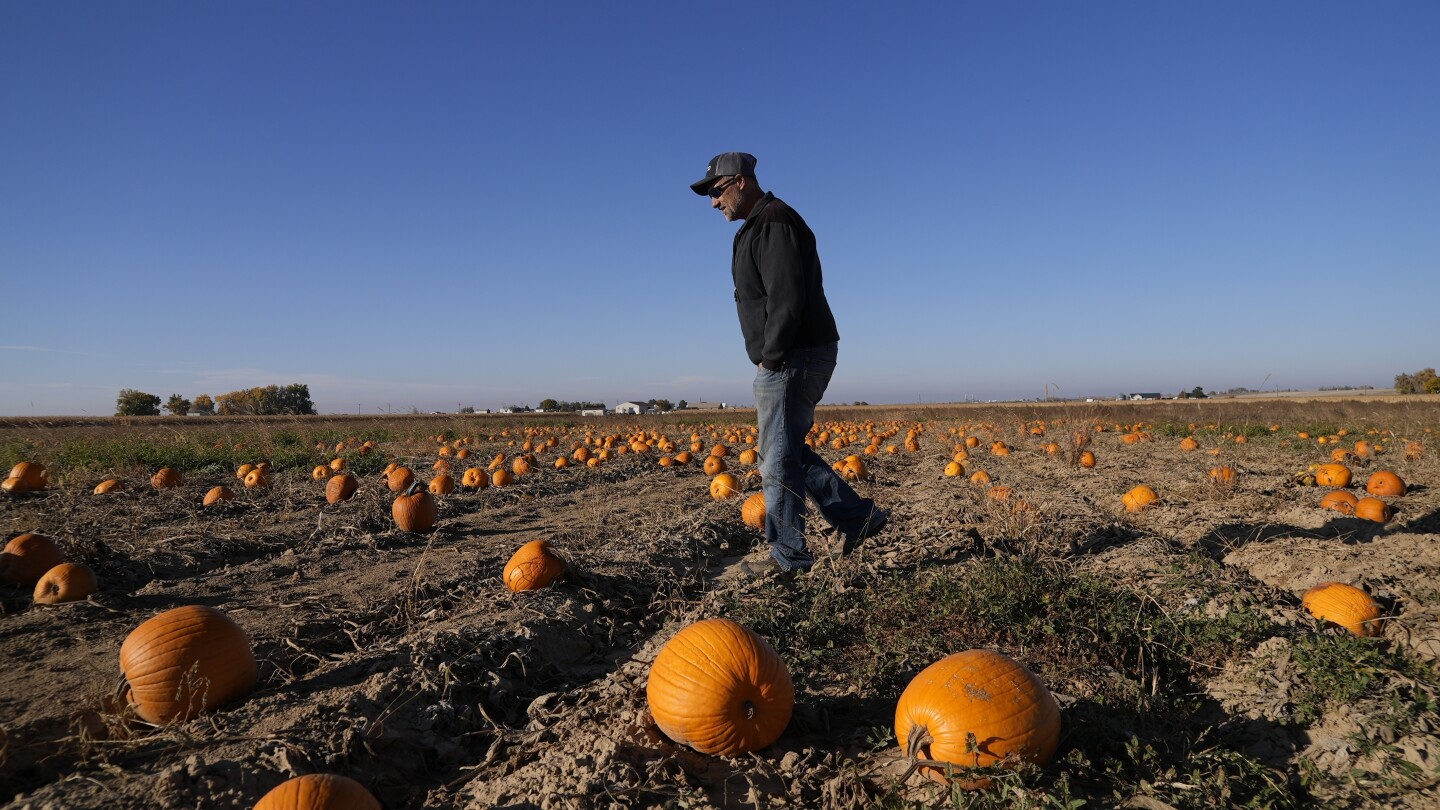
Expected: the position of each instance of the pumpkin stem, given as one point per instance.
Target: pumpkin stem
(413, 488)
(918, 745)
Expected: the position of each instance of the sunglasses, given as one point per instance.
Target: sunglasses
(719, 188)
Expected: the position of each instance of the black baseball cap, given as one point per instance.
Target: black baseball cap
(725, 164)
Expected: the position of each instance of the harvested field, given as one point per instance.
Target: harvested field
(1173, 638)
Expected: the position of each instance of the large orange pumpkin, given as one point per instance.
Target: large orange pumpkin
(977, 708)
(1342, 501)
(1332, 475)
(186, 661)
(399, 479)
(1385, 484)
(720, 689)
(1373, 509)
(714, 465)
(724, 486)
(27, 476)
(1139, 498)
(1345, 605)
(753, 511)
(165, 478)
(218, 494)
(66, 582)
(533, 566)
(318, 791)
(340, 487)
(414, 509)
(27, 557)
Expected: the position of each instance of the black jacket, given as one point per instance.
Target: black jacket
(779, 291)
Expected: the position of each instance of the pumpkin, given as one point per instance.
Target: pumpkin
(244, 470)
(165, 478)
(714, 465)
(683, 457)
(1188, 443)
(258, 478)
(475, 478)
(1332, 475)
(954, 469)
(1222, 475)
(399, 479)
(1345, 605)
(501, 478)
(320, 473)
(1341, 501)
(749, 456)
(27, 476)
(980, 478)
(522, 466)
(1139, 498)
(442, 484)
(109, 485)
(720, 689)
(1087, 459)
(720, 451)
(999, 492)
(186, 661)
(217, 495)
(318, 791)
(974, 709)
(854, 469)
(27, 557)
(414, 509)
(337, 464)
(340, 487)
(752, 512)
(66, 582)
(533, 566)
(724, 486)
(999, 449)
(1386, 484)
(497, 462)
(1373, 509)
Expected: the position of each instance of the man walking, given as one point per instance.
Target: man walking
(791, 338)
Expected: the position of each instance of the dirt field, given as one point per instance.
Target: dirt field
(1173, 638)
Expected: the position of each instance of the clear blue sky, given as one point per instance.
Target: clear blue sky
(438, 204)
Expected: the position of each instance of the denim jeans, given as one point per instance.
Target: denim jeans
(785, 403)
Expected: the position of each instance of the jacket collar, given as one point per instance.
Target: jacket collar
(759, 206)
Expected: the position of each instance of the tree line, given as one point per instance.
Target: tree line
(1423, 381)
(270, 400)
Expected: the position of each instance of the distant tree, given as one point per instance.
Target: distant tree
(136, 403)
(681, 405)
(177, 405)
(662, 404)
(268, 401)
(1197, 393)
(203, 405)
(1423, 381)
(468, 409)
(549, 405)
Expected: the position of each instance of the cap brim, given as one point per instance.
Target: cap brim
(702, 186)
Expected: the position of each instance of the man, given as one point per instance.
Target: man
(791, 338)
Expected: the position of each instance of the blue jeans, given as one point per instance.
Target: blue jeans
(785, 403)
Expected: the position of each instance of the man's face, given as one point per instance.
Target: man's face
(725, 195)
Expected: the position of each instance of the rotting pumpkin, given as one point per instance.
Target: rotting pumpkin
(533, 566)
